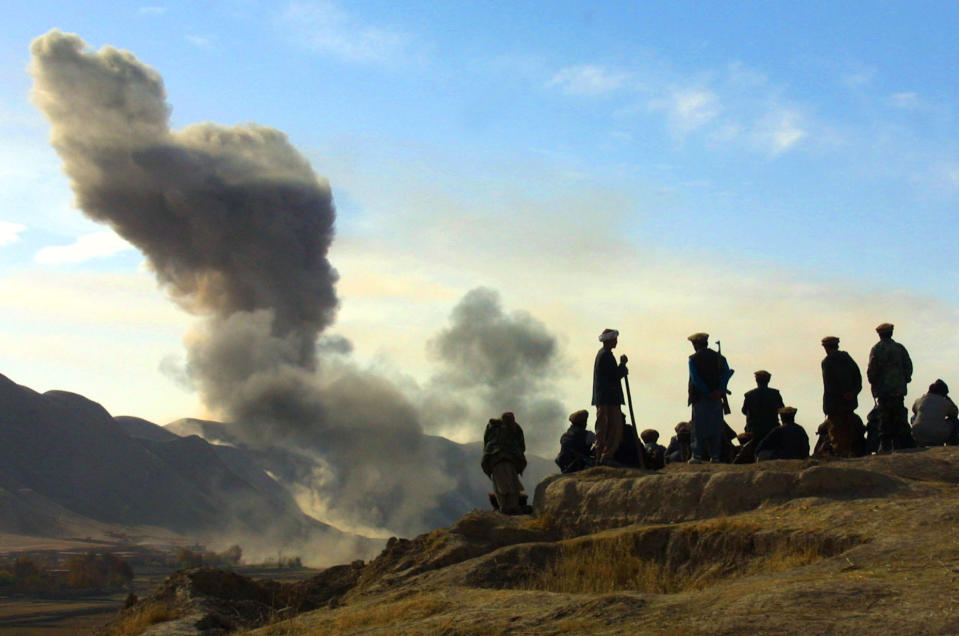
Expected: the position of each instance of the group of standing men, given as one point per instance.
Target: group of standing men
(770, 433)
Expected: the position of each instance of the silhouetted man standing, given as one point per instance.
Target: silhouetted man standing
(841, 384)
(608, 397)
(708, 377)
(889, 371)
(761, 407)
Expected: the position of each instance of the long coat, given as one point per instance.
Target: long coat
(607, 388)
(840, 375)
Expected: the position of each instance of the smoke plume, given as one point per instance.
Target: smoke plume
(492, 362)
(237, 227)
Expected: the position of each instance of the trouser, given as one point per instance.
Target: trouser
(893, 422)
(708, 429)
(845, 434)
(506, 487)
(609, 430)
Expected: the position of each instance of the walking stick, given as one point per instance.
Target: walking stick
(640, 452)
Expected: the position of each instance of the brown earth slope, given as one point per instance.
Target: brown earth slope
(858, 546)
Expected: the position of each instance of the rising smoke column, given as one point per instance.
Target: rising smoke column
(492, 361)
(237, 227)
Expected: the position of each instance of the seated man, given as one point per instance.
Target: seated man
(504, 459)
(631, 453)
(934, 422)
(574, 445)
(655, 453)
(680, 446)
(787, 441)
(823, 441)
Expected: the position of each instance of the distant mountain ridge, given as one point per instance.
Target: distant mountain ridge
(66, 465)
(62, 453)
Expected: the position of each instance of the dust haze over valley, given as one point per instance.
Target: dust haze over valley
(236, 227)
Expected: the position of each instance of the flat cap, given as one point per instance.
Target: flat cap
(830, 340)
(788, 411)
(698, 337)
(762, 373)
(884, 327)
(650, 435)
(579, 417)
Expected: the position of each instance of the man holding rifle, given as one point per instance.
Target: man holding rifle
(708, 376)
(608, 397)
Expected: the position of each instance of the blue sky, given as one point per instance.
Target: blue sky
(770, 171)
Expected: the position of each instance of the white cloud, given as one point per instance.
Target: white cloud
(587, 79)
(688, 109)
(778, 131)
(10, 232)
(86, 247)
(905, 101)
(325, 27)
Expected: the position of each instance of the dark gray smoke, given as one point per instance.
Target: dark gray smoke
(237, 227)
(491, 362)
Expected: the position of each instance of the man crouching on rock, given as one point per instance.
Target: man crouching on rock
(504, 459)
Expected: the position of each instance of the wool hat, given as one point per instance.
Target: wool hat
(579, 417)
(884, 328)
(788, 411)
(830, 341)
(682, 426)
(698, 337)
(650, 435)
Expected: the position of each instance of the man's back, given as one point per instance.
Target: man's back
(761, 406)
(840, 376)
(890, 368)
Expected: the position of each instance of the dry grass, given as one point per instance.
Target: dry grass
(616, 564)
(137, 622)
(389, 614)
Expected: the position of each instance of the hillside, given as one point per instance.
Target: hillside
(844, 546)
(69, 469)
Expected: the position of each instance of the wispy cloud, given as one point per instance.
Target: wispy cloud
(689, 109)
(10, 232)
(588, 79)
(203, 42)
(87, 247)
(778, 131)
(325, 27)
(905, 101)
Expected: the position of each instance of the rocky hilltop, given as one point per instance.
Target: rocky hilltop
(866, 545)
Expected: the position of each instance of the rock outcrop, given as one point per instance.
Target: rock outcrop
(842, 546)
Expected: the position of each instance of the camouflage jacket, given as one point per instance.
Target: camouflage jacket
(503, 442)
(890, 368)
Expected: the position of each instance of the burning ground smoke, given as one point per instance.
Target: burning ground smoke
(236, 226)
(492, 362)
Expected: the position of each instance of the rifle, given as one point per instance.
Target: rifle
(719, 363)
(640, 450)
